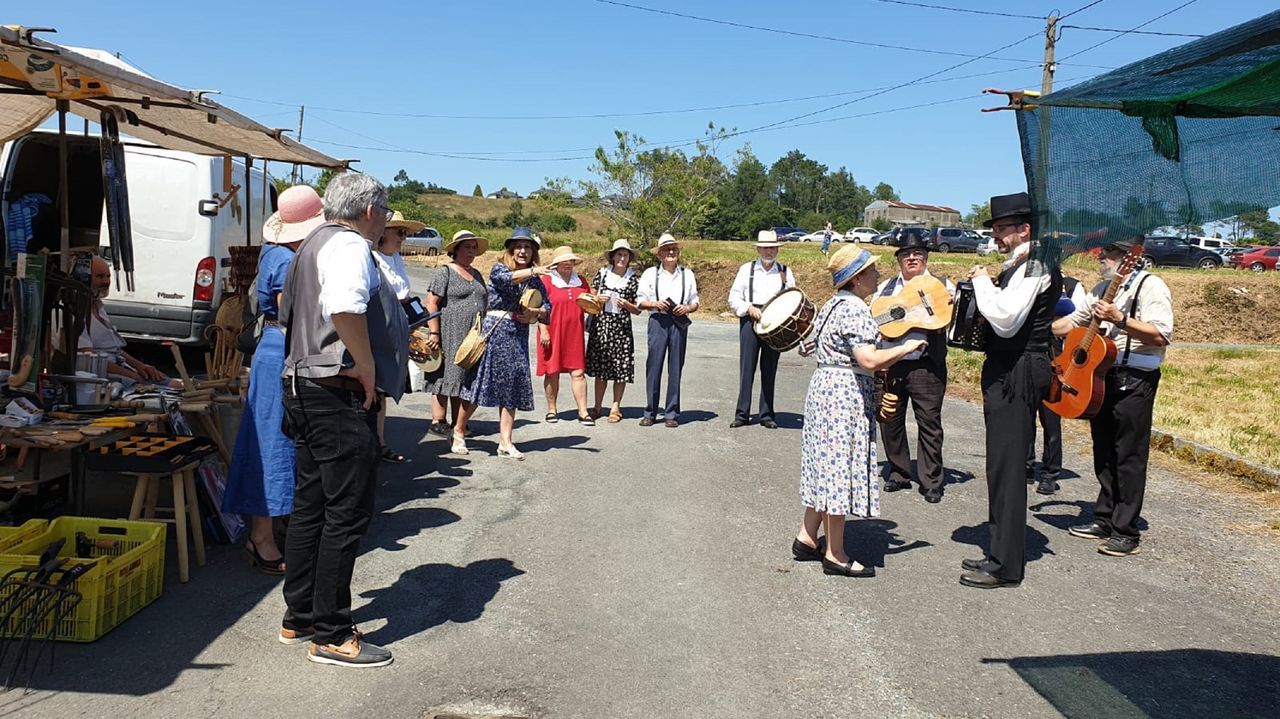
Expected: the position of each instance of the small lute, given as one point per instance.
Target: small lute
(1078, 386)
(923, 304)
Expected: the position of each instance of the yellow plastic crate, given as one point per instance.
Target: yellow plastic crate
(129, 575)
(11, 537)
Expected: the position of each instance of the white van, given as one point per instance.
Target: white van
(1212, 243)
(181, 232)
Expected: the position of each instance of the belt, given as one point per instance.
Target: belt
(499, 314)
(855, 370)
(1145, 363)
(337, 382)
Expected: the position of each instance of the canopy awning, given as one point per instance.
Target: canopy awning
(35, 74)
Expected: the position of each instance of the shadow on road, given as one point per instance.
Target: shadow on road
(978, 536)
(432, 594)
(1174, 684)
(870, 540)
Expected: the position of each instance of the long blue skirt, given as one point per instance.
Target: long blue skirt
(261, 479)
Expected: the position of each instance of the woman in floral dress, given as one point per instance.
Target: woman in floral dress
(501, 378)
(611, 347)
(838, 455)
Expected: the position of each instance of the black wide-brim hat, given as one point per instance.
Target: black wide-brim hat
(1122, 245)
(1015, 205)
(912, 239)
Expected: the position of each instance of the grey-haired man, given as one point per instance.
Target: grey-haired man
(346, 341)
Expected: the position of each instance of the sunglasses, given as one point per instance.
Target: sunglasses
(386, 211)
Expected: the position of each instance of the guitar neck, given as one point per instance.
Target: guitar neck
(1108, 296)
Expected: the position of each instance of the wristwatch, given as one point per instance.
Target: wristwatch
(1124, 321)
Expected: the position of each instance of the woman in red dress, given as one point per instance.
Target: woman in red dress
(562, 341)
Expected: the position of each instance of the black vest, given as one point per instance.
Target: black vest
(1036, 334)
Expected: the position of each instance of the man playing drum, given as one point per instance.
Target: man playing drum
(921, 377)
(757, 282)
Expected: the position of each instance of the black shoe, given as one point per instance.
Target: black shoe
(933, 496)
(646, 421)
(1092, 530)
(738, 422)
(440, 428)
(1046, 486)
(802, 552)
(768, 424)
(895, 485)
(846, 570)
(979, 579)
(1119, 546)
(973, 565)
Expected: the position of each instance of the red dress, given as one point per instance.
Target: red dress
(568, 348)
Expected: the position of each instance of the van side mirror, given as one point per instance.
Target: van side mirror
(208, 208)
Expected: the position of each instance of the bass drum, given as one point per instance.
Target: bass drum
(786, 320)
(969, 328)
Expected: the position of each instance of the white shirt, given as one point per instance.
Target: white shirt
(1007, 309)
(658, 284)
(101, 335)
(561, 283)
(893, 286)
(1155, 307)
(767, 283)
(396, 274)
(614, 284)
(348, 277)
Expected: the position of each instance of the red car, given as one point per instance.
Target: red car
(1260, 260)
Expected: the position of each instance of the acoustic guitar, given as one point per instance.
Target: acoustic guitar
(923, 304)
(1078, 386)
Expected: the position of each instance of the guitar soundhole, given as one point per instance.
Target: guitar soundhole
(897, 313)
(1079, 357)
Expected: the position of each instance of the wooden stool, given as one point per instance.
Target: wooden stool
(185, 509)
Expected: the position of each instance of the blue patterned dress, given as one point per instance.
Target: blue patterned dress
(260, 480)
(501, 378)
(838, 446)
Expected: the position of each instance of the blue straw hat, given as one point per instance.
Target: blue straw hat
(847, 262)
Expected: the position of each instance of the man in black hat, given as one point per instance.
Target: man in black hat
(1139, 319)
(920, 377)
(1018, 307)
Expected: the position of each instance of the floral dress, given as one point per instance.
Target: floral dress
(611, 347)
(501, 377)
(838, 446)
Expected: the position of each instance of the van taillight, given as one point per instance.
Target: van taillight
(203, 290)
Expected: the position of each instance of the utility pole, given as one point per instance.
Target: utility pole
(1050, 39)
(297, 169)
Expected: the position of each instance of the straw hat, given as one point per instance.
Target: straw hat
(667, 240)
(462, 236)
(563, 253)
(300, 211)
(618, 245)
(847, 262)
(767, 238)
(411, 227)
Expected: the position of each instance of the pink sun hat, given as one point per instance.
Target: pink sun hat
(300, 211)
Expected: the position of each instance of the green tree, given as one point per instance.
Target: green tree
(978, 214)
(885, 191)
(744, 201)
(843, 199)
(477, 192)
(797, 182)
(880, 224)
(1265, 231)
(322, 180)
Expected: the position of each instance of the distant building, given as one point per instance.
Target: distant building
(908, 213)
(503, 194)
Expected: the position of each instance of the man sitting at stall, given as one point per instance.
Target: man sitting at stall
(100, 334)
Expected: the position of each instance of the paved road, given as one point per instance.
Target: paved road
(639, 572)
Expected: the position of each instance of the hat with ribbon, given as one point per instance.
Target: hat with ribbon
(300, 211)
(563, 253)
(1016, 205)
(847, 262)
(522, 233)
(767, 238)
(411, 227)
(482, 245)
(667, 240)
(620, 244)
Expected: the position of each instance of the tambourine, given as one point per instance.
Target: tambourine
(422, 355)
(591, 304)
(531, 299)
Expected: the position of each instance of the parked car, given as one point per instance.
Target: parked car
(1216, 244)
(860, 234)
(818, 237)
(1177, 252)
(1261, 259)
(952, 239)
(785, 232)
(1231, 256)
(426, 241)
(793, 236)
(988, 246)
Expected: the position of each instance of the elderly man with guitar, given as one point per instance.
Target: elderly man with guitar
(1120, 334)
(920, 377)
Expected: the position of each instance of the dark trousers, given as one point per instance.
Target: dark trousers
(337, 462)
(1012, 389)
(924, 383)
(750, 352)
(1051, 458)
(666, 344)
(1121, 443)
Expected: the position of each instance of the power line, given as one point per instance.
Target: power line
(1136, 27)
(960, 9)
(1079, 10)
(1134, 32)
(811, 36)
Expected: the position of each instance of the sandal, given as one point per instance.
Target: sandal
(511, 452)
(615, 416)
(274, 568)
(459, 445)
(551, 418)
(586, 421)
(390, 455)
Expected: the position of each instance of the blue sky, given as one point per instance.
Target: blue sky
(579, 57)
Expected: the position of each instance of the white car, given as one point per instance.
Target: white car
(860, 234)
(819, 237)
(988, 246)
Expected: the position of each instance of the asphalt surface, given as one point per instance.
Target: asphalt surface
(623, 571)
